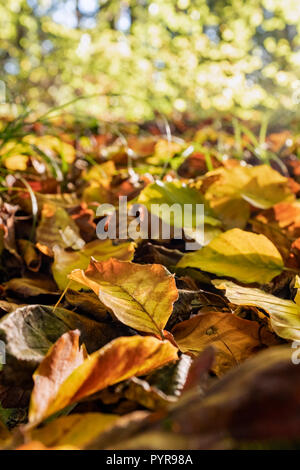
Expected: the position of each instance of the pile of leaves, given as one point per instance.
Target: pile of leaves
(133, 344)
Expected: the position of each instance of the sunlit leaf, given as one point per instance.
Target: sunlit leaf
(67, 261)
(245, 256)
(235, 188)
(284, 314)
(119, 360)
(175, 192)
(141, 296)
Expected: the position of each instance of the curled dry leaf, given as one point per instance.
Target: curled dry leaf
(119, 360)
(141, 296)
(245, 256)
(31, 255)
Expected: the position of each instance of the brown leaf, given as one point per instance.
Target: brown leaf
(234, 338)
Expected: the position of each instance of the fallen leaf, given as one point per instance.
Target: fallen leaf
(25, 287)
(75, 430)
(234, 338)
(141, 296)
(245, 256)
(237, 187)
(101, 250)
(284, 314)
(179, 193)
(119, 360)
(30, 331)
(57, 228)
(62, 358)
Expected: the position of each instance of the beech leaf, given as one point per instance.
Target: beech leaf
(101, 250)
(234, 338)
(141, 296)
(62, 358)
(118, 360)
(284, 314)
(245, 256)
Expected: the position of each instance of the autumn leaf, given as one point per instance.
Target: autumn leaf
(57, 228)
(245, 256)
(30, 331)
(235, 188)
(62, 358)
(234, 338)
(119, 360)
(141, 296)
(284, 314)
(175, 192)
(75, 430)
(101, 250)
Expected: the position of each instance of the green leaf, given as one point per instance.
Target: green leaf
(170, 193)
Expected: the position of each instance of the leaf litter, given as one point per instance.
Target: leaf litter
(138, 343)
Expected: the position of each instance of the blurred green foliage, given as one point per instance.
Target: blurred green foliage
(158, 55)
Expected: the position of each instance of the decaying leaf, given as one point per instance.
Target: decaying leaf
(30, 331)
(141, 296)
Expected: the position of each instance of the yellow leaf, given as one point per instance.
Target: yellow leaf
(141, 296)
(245, 256)
(235, 188)
(76, 430)
(16, 162)
(284, 314)
(101, 250)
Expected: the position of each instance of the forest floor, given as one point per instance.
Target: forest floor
(136, 341)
